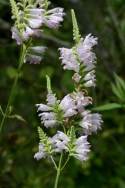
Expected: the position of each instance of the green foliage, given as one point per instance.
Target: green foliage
(119, 88)
(44, 140)
(42, 136)
(109, 106)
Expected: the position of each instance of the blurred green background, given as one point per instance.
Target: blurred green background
(19, 140)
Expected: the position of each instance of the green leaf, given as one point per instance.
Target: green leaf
(121, 82)
(119, 88)
(116, 91)
(42, 136)
(109, 106)
(18, 117)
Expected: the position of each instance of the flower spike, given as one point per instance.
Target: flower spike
(76, 33)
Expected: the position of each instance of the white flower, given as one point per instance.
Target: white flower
(49, 123)
(48, 119)
(91, 122)
(47, 116)
(38, 49)
(90, 42)
(68, 106)
(43, 107)
(82, 148)
(84, 50)
(41, 153)
(16, 35)
(90, 83)
(82, 54)
(34, 17)
(68, 59)
(51, 99)
(34, 23)
(81, 101)
(27, 33)
(54, 17)
(34, 54)
(33, 59)
(90, 79)
(60, 141)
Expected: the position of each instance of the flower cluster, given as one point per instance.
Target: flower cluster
(81, 59)
(56, 111)
(29, 17)
(71, 115)
(60, 142)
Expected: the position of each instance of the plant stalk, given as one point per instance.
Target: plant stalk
(11, 96)
(58, 172)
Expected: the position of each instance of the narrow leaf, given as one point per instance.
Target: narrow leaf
(109, 106)
(18, 117)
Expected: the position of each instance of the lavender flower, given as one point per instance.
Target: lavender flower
(68, 106)
(81, 101)
(31, 18)
(53, 17)
(34, 17)
(81, 56)
(55, 111)
(91, 122)
(16, 35)
(84, 50)
(82, 148)
(35, 54)
(69, 61)
(41, 153)
(90, 79)
(60, 142)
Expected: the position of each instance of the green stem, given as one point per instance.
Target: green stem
(58, 172)
(67, 160)
(53, 161)
(11, 97)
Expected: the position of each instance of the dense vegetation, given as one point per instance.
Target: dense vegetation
(19, 139)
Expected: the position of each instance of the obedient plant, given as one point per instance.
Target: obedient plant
(71, 117)
(30, 17)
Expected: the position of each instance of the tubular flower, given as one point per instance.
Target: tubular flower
(60, 142)
(53, 17)
(81, 59)
(68, 59)
(68, 106)
(56, 111)
(81, 149)
(81, 101)
(35, 54)
(91, 122)
(41, 153)
(31, 18)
